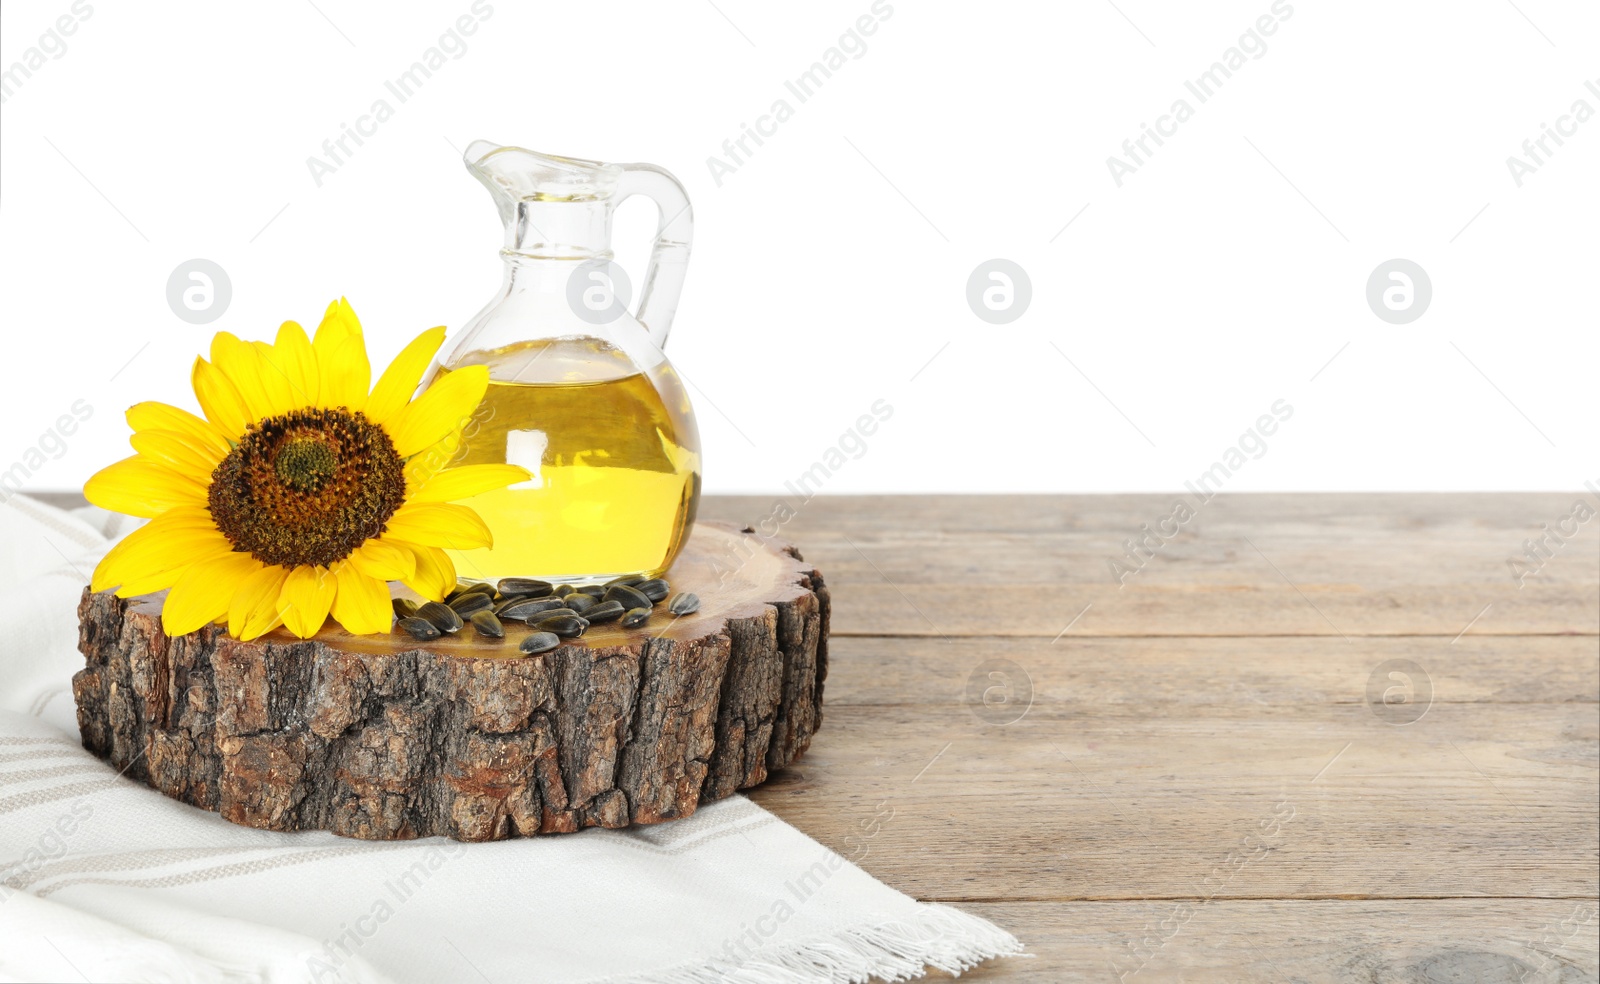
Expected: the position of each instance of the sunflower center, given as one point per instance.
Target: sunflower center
(305, 464)
(307, 487)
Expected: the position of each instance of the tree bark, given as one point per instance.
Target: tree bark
(384, 737)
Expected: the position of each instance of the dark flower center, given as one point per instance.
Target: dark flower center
(307, 487)
(305, 464)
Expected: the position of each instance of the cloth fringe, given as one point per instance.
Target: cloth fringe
(941, 937)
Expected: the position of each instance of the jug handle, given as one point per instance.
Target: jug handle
(669, 258)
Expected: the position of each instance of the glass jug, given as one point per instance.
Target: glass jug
(580, 392)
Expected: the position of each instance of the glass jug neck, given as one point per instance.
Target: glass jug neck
(558, 230)
(545, 273)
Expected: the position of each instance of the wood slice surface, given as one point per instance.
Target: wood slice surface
(384, 737)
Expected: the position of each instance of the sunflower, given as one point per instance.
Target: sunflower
(299, 493)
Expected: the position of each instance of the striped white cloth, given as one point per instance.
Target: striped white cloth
(103, 879)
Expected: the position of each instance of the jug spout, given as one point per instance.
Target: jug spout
(514, 174)
(551, 206)
(559, 208)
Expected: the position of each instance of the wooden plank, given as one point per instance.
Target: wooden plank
(1145, 764)
(1396, 512)
(882, 608)
(1247, 565)
(1472, 941)
(1119, 801)
(1246, 671)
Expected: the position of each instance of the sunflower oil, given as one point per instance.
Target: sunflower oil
(615, 457)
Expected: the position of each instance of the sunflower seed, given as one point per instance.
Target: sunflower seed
(627, 597)
(592, 589)
(539, 642)
(472, 601)
(472, 587)
(443, 617)
(487, 625)
(524, 609)
(420, 628)
(524, 587)
(604, 611)
(655, 589)
(551, 613)
(635, 617)
(566, 626)
(686, 603)
(403, 607)
(628, 579)
(581, 603)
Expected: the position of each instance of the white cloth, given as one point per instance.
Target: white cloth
(102, 878)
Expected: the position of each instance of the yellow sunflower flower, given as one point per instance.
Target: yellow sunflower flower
(299, 493)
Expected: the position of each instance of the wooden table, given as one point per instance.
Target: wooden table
(1200, 788)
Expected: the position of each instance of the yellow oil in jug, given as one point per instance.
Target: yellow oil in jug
(615, 457)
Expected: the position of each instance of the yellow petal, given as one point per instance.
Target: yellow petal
(439, 524)
(254, 609)
(384, 560)
(141, 487)
(241, 364)
(307, 595)
(362, 604)
(219, 400)
(190, 517)
(177, 518)
(281, 397)
(142, 573)
(345, 375)
(160, 581)
(342, 359)
(203, 593)
(151, 415)
(421, 466)
(293, 356)
(468, 480)
(177, 451)
(339, 322)
(400, 380)
(151, 557)
(445, 408)
(436, 573)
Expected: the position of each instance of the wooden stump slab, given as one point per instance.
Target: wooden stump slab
(383, 737)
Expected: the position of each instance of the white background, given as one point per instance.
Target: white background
(831, 267)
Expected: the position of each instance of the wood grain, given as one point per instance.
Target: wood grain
(1246, 565)
(1172, 729)
(1260, 671)
(1125, 801)
(1457, 941)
